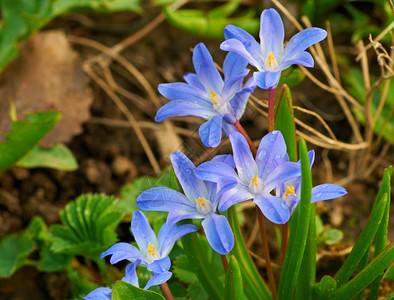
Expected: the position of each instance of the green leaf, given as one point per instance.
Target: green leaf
(58, 157)
(212, 24)
(363, 243)
(126, 291)
(332, 236)
(14, 250)
(284, 122)
(326, 287)
(53, 262)
(234, 285)
(389, 274)
(89, 225)
(298, 231)
(291, 77)
(201, 266)
(25, 135)
(374, 269)
(255, 287)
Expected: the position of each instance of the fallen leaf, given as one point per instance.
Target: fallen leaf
(47, 76)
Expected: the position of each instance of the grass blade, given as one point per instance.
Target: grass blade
(234, 285)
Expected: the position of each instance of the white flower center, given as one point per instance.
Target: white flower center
(153, 254)
(203, 206)
(289, 191)
(255, 185)
(271, 62)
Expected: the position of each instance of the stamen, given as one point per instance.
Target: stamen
(214, 97)
(289, 191)
(151, 249)
(271, 59)
(201, 201)
(255, 180)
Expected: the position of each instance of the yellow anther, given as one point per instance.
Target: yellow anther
(201, 201)
(214, 97)
(271, 59)
(255, 180)
(289, 191)
(151, 249)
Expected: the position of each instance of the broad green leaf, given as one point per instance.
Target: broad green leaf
(298, 231)
(284, 122)
(332, 236)
(234, 285)
(14, 250)
(89, 225)
(291, 77)
(23, 18)
(363, 243)
(58, 157)
(125, 291)
(53, 262)
(255, 287)
(25, 135)
(373, 270)
(212, 24)
(38, 231)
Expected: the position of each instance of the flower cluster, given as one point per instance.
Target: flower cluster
(269, 179)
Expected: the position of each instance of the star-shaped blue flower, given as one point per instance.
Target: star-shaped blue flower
(270, 57)
(290, 191)
(199, 201)
(255, 178)
(153, 251)
(206, 95)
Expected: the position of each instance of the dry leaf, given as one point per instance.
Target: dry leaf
(47, 76)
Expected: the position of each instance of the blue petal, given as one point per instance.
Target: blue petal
(121, 251)
(158, 279)
(131, 274)
(142, 231)
(192, 79)
(101, 293)
(249, 42)
(169, 234)
(292, 202)
(236, 46)
(273, 208)
(302, 58)
(183, 108)
(214, 171)
(233, 65)
(271, 33)
(160, 265)
(266, 80)
(302, 40)
(219, 233)
(179, 214)
(192, 186)
(211, 131)
(225, 158)
(162, 199)
(243, 158)
(311, 155)
(233, 85)
(282, 173)
(205, 68)
(327, 191)
(270, 153)
(233, 196)
(182, 91)
(228, 128)
(240, 100)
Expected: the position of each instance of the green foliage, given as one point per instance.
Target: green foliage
(14, 250)
(25, 135)
(23, 18)
(298, 231)
(212, 24)
(89, 225)
(326, 287)
(389, 274)
(125, 291)
(234, 286)
(58, 157)
(327, 236)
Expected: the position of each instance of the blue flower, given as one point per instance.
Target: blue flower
(290, 191)
(207, 96)
(255, 178)
(104, 293)
(153, 251)
(270, 57)
(199, 201)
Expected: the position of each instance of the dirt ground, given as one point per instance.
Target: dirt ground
(110, 154)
